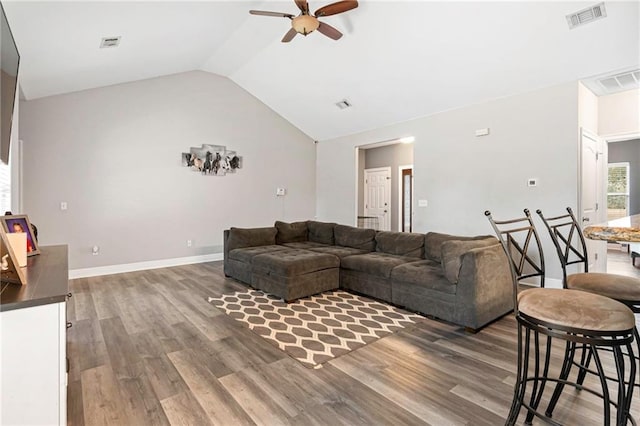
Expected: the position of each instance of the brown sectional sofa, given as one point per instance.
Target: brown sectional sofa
(463, 280)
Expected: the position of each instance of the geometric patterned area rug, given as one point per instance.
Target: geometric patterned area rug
(315, 329)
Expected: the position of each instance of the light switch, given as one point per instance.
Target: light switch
(423, 203)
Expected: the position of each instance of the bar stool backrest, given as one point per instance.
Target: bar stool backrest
(521, 244)
(567, 236)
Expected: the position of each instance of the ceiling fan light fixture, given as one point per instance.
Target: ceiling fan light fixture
(305, 24)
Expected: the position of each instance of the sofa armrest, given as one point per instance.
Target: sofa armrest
(247, 237)
(485, 288)
(250, 237)
(225, 244)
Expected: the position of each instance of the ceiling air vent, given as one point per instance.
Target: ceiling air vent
(343, 104)
(109, 42)
(620, 82)
(587, 15)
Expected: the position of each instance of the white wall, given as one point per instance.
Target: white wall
(619, 114)
(114, 155)
(587, 109)
(532, 135)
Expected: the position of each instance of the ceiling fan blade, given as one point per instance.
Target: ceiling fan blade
(302, 5)
(289, 35)
(329, 31)
(276, 14)
(335, 8)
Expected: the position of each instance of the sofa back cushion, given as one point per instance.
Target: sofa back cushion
(452, 251)
(360, 238)
(251, 237)
(400, 243)
(321, 232)
(295, 232)
(433, 243)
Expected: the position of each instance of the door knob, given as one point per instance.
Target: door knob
(385, 211)
(585, 219)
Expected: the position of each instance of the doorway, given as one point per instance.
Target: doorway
(377, 198)
(592, 176)
(405, 203)
(623, 199)
(393, 155)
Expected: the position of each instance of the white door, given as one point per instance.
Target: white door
(592, 160)
(377, 196)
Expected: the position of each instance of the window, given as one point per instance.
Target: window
(5, 188)
(618, 190)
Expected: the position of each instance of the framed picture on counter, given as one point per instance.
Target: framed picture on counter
(20, 223)
(10, 271)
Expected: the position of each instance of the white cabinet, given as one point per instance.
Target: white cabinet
(33, 343)
(33, 366)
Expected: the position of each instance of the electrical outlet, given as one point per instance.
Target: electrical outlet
(63, 205)
(280, 192)
(189, 243)
(95, 250)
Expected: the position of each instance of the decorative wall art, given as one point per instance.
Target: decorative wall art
(212, 160)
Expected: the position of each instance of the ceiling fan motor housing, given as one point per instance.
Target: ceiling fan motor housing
(305, 24)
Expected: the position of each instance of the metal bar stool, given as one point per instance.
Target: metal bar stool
(571, 247)
(573, 316)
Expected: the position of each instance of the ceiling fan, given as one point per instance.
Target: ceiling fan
(305, 23)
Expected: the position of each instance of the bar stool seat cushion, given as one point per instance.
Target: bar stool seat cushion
(615, 286)
(575, 309)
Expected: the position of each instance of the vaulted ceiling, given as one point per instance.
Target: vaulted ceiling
(398, 60)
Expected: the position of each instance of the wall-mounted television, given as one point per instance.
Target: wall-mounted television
(9, 62)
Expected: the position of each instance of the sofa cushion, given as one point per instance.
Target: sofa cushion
(246, 254)
(453, 250)
(379, 264)
(291, 232)
(425, 274)
(250, 237)
(400, 243)
(321, 232)
(433, 243)
(305, 245)
(338, 251)
(359, 238)
(291, 263)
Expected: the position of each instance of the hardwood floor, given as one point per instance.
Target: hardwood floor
(619, 262)
(147, 349)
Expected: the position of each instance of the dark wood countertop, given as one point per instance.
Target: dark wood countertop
(47, 281)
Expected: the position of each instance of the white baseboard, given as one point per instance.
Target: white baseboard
(141, 266)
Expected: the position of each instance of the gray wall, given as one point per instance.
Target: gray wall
(629, 151)
(114, 155)
(461, 175)
(392, 156)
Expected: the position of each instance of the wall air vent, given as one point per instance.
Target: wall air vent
(109, 42)
(587, 15)
(343, 104)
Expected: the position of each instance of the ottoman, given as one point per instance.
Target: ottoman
(292, 274)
